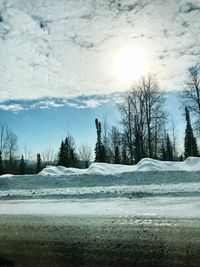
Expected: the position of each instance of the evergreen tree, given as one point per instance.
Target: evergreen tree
(138, 150)
(73, 159)
(38, 167)
(117, 155)
(22, 166)
(99, 148)
(66, 153)
(61, 152)
(103, 154)
(163, 152)
(124, 156)
(67, 156)
(169, 149)
(190, 141)
(181, 158)
(1, 164)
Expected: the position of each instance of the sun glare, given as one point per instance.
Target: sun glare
(130, 65)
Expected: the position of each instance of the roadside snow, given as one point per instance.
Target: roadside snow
(172, 207)
(146, 164)
(60, 170)
(150, 188)
(6, 175)
(131, 191)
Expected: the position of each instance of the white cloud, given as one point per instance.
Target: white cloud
(78, 103)
(45, 104)
(67, 48)
(11, 107)
(92, 103)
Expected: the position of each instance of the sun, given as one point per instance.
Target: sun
(130, 65)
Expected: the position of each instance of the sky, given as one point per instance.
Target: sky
(61, 61)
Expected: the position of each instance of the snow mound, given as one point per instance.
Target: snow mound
(60, 170)
(146, 164)
(6, 175)
(108, 169)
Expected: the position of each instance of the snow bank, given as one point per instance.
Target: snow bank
(190, 164)
(108, 169)
(6, 175)
(172, 207)
(146, 164)
(60, 170)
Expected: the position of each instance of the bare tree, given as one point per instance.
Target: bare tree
(85, 154)
(105, 140)
(49, 156)
(153, 99)
(174, 138)
(143, 118)
(27, 152)
(191, 94)
(127, 121)
(10, 144)
(3, 139)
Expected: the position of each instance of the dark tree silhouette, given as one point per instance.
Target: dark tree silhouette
(67, 156)
(190, 141)
(163, 152)
(73, 159)
(117, 155)
(191, 94)
(1, 164)
(61, 160)
(66, 153)
(22, 166)
(99, 148)
(39, 165)
(169, 149)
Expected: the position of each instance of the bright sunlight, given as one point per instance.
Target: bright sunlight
(130, 65)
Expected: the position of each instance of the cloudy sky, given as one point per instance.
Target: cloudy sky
(56, 55)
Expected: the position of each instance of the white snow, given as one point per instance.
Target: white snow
(6, 175)
(172, 207)
(60, 170)
(146, 164)
(118, 191)
(67, 191)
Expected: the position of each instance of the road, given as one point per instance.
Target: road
(47, 240)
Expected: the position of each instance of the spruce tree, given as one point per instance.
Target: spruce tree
(181, 158)
(73, 159)
(117, 155)
(138, 153)
(38, 167)
(169, 149)
(66, 153)
(22, 166)
(99, 148)
(163, 152)
(67, 156)
(1, 164)
(190, 141)
(61, 153)
(124, 156)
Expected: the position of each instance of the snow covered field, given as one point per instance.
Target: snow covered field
(150, 188)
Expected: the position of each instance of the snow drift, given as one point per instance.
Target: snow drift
(146, 164)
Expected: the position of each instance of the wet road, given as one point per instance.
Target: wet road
(98, 241)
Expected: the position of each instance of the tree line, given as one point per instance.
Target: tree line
(143, 132)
